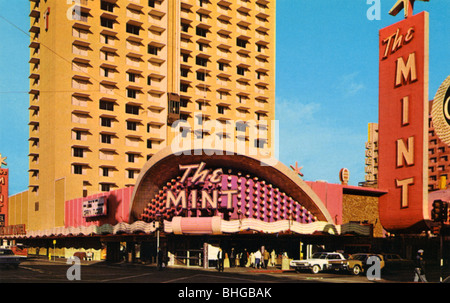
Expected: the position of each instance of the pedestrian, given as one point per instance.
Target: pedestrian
(257, 258)
(244, 257)
(232, 258)
(220, 257)
(160, 259)
(419, 270)
(273, 257)
(266, 258)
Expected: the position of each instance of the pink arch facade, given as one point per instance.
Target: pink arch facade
(196, 189)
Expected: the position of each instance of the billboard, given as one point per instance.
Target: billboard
(403, 123)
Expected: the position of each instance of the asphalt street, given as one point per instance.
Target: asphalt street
(59, 271)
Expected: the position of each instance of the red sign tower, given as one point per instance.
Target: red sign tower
(4, 174)
(403, 121)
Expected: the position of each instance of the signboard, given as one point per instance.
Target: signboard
(199, 191)
(95, 208)
(371, 168)
(403, 123)
(3, 196)
(13, 230)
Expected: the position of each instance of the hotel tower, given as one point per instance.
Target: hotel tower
(111, 79)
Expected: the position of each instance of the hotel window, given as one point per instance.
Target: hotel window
(131, 157)
(184, 87)
(105, 105)
(184, 102)
(201, 76)
(201, 46)
(133, 29)
(201, 31)
(131, 125)
(201, 61)
(241, 127)
(221, 66)
(105, 187)
(106, 39)
(77, 169)
(152, 50)
(184, 72)
(131, 77)
(105, 22)
(185, 57)
(184, 27)
(131, 174)
(77, 134)
(107, 6)
(149, 143)
(105, 138)
(220, 109)
(241, 71)
(132, 109)
(241, 42)
(105, 171)
(131, 93)
(151, 3)
(78, 152)
(259, 143)
(105, 71)
(81, 16)
(106, 122)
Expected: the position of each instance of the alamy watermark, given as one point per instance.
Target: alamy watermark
(374, 11)
(257, 138)
(74, 271)
(373, 272)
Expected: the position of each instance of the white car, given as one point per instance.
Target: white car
(8, 258)
(318, 262)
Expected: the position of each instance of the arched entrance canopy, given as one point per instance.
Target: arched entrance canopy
(165, 166)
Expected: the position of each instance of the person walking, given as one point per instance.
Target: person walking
(419, 270)
(266, 258)
(273, 257)
(232, 258)
(220, 257)
(160, 259)
(257, 258)
(244, 257)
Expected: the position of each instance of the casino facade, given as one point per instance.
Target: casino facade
(191, 202)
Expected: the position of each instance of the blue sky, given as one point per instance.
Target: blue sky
(326, 82)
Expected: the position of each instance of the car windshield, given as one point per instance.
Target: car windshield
(319, 256)
(358, 257)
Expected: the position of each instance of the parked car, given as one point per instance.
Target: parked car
(356, 263)
(394, 261)
(8, 258)
(318, 262)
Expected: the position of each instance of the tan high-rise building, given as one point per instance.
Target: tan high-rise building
(110, 78)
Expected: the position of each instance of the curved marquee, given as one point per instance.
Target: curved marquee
(210, 184)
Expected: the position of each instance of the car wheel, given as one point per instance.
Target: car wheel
(315, 269)
(356, 270)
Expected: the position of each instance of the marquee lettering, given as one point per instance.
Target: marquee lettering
(395, 41)
(208, 199)
(405, 153)
(406, 71)
(403, 184)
